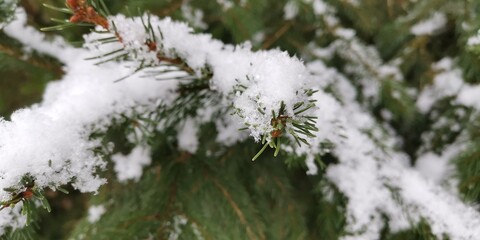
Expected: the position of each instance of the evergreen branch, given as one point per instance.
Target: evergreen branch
(86, 11)
(278, 124)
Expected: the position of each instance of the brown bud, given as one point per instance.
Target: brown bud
(152, 46)
(91, 12)
(73, 4)
(76, 18)
(276, 133)
(27, 194)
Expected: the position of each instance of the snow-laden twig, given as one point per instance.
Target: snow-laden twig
(380, 181)
(51, 141)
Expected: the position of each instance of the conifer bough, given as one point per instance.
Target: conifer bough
(136, 66)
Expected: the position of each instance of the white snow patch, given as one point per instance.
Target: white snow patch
(226, 4)
(290, 10)
(319, 7)
(433, 167)
(447, 83)
(95, 213)
(345, 33)
(312, 167)
(475, 40)
(430, 26)
(470, 96)
(178, 222)
(187, 136)
(131, 166)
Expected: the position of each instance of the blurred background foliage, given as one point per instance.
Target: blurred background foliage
(251, 201)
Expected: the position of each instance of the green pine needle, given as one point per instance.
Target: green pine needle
(260, 152)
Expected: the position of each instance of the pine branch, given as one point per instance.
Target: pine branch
(87, 12)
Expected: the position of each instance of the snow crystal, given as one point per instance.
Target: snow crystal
(95, 213)
(131, 166)
(430, 26)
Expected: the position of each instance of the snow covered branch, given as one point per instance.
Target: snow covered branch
(140, 65)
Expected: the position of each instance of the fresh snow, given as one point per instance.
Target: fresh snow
(430, 26)
(95, 213)
(474, 40)
(446, 83)
(290, 10)
(130, 167)
(187, 136)
(51, 140)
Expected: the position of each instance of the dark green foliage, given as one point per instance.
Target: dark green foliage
(219, 192)
(327, 214)
(469, 172)
(17, 87)
(395, 98)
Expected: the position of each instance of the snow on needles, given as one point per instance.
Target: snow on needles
(51, 141)
(251, 80)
